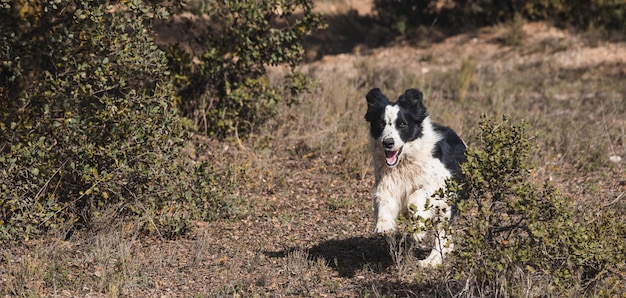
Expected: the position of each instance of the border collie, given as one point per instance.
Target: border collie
(412, 159)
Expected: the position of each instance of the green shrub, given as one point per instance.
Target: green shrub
(226, 91)
(512, 234)
(88, 120)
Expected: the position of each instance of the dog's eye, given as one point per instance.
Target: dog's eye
(382, 124)
(402, 124)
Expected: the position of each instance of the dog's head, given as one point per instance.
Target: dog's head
(393, 124)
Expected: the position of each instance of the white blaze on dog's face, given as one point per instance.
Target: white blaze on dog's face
(393, 124)
(390, 138)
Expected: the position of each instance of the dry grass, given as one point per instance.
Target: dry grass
(304, 219)
(465, 78)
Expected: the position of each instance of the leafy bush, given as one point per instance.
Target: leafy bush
(225, 91)
(88, 121)
(511, 233)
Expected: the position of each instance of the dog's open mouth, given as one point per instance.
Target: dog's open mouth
(392, 157)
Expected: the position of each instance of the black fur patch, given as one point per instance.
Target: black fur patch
(376, 104)
(412, 113)
(450, 150)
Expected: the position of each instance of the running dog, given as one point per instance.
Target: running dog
(413, 157)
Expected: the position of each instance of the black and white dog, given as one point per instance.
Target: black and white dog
(412, 159)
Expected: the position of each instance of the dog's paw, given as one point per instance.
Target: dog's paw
(433, 260)
(385, 227)
(428, 263)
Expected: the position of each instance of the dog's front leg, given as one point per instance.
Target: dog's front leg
(386, 208)
(420, 199)
(437, 212)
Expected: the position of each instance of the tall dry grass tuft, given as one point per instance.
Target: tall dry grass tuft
(25, 275)
(404, 253)
(306, 272)
(115, 269)
(55, 267)
(464, 78)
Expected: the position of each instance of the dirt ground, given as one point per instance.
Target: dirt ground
(305, 229)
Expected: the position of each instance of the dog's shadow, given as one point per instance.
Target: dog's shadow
(347, 256)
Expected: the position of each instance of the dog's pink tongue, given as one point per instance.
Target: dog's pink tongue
(391, 157)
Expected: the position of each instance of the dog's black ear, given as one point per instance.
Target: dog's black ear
(411, 97)
(376, 102)
(374, 96)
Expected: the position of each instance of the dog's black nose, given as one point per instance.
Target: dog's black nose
(388, 143)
